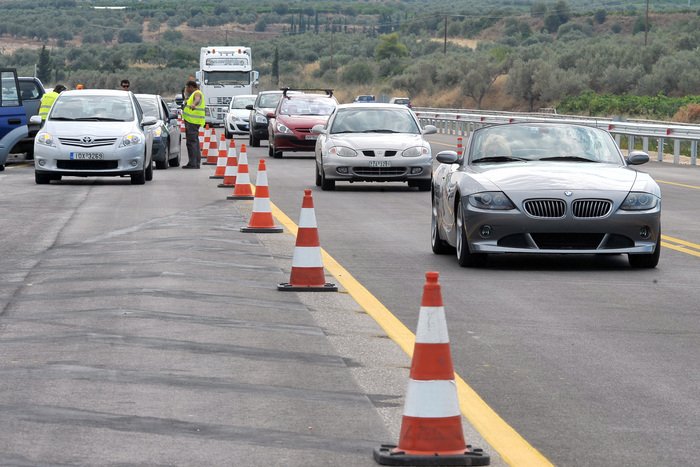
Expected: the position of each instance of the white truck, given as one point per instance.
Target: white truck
(224, 72)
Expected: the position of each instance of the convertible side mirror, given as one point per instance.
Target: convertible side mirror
(447, 157)
(637, 158)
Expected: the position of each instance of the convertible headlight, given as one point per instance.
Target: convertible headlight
(491, 200)
(45, 138)
(282, 128)
(260, 118)
(639, 201)
(342, 151)
(416, 151)
(130, 140)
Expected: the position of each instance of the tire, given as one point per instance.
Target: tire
(276, 154)
(646, 261)
(162, 165)
(42, 179)
(139, 178)
(227, 134)
(439, 246)
(327, 185)
(254, 142)
(318, 176)
(269, 151)
(148, 173)
(174, 162)
(2, 167)
(465, 258)
(424, 185)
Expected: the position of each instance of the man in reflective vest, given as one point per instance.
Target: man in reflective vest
(48, 99)
(193, 115)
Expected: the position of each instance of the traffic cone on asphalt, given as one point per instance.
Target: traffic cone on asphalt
(242, 189)
(181, 124)
(431, 428)
(221, 160)
(307, 267)
(231, 166)
(202, 137)
(261, 220)
(213, 151)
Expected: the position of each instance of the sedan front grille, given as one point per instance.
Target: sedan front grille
(551, 208)
(589, 208)
(87, 164)
(380, 171)
(91, 143)
(568, 241)
(371, 153)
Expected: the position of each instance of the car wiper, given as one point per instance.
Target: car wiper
(346, 131)
(64, 119)
(498, 159)
(98, 119)
(567, 158)
(382, 131)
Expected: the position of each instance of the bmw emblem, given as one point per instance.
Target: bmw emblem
(86, 139)
(568, 193)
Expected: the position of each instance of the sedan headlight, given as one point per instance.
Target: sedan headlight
(130, 140)
(342, 151)
(639, 201)
(282, 128)
(45, 138)
(260, 118)
(416, 151)
(491, 200)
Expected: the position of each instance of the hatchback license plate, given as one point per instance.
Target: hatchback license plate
(379, 164)
(87, 155)
(311, 137)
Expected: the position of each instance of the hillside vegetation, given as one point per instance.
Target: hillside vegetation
(589, 57)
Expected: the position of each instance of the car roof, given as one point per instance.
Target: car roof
(95, 92)
(373, 106)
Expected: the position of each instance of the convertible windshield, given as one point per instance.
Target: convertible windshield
(92, 108)
(544, 142)
(365, 120)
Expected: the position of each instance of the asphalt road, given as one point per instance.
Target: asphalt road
(593, 363)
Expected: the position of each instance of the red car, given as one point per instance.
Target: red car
(290, 126)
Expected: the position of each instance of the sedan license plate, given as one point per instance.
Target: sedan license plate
(379, 163)
(87, 156)
(311, 137)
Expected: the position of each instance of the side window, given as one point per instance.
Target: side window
(8, 95)
(29, 90)
(164, 110)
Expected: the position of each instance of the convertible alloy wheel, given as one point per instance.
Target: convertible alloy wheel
(646, 261)
(439, 246)
(464, 257)
(318, 176)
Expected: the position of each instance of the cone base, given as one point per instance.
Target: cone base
(386, 454)
(286, 287)
(240, 197)
(216, 177)
(262, 229)
(208, 163)
(224, 185)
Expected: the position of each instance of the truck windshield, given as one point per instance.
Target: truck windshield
(239, 78)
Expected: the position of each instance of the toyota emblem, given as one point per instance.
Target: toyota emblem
(86, 139)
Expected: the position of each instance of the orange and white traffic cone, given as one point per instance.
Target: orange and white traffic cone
(307, 267)
(231, 166)
(213, 151)
(261, 220)
(221, 160)
(202, 136)
(431, 428)
(181, 124)
(242, 189)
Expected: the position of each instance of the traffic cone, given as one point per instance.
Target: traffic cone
(181, 123)
(204, 137)
(242, 189)
(261, 220)
(431, 428)
(222, 159)
(231, 166)
(213, 152)
(460, 149)
(307, 267)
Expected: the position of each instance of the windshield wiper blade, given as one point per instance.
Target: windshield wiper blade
(567, 158)
(382, 131)
(65, 119)
(499, 159)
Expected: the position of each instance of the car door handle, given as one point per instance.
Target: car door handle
(14, 121)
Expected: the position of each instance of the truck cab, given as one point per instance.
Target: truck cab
(13, 118)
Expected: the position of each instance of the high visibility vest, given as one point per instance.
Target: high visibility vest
(47, 101)
(196, 116)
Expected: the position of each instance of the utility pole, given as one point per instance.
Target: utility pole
(444, 47)
(646, 25)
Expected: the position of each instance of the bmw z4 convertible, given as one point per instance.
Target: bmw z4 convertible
(544, 188)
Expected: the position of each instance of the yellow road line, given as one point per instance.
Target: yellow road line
(512, 447)
(682, 246)
(694, 187)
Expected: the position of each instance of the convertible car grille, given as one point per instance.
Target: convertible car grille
(567, 241)
(87, 165)
(386, 153)
(93, 143)
(380, 171)
(591, 208)
(545, 207)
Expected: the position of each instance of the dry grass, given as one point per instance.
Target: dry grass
(688, 114)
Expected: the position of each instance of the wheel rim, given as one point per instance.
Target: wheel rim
(460, 225)
(433, 226)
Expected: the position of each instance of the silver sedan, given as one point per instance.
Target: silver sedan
(373, 143)
(544, 188)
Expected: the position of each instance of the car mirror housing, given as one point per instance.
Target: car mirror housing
(270, 115)
(318, 129)
(447, 157)
(429, 129)
(637, 158)
(147, 121)
(35, 119)
(249, 107)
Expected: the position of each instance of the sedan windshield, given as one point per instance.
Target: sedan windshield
(92, 108)
(366, 120)
(543, 142)
(241, 102)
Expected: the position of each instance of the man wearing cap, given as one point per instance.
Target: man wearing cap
(193, 115)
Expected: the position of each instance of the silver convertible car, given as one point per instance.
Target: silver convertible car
(373, 143)
(544, 188)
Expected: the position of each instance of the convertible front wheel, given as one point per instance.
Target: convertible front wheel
(646, 261)
(465, 258)
(439, 246)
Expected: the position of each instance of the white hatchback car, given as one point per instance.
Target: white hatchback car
(97, 132)
(237, 115)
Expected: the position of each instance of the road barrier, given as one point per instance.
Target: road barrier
(665, 134)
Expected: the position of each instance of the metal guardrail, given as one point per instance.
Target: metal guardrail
(462, 123)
